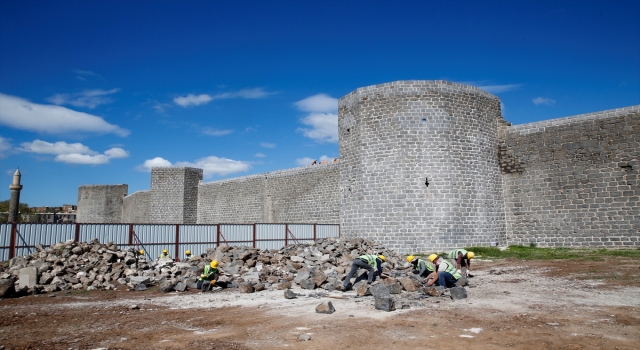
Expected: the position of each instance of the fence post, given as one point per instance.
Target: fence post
(217, 235)
(339, 233)
(177, 242)
(12, 240)
(314, 233)
(130, 235)
(77, 237)
(286, 235)
(254, 235)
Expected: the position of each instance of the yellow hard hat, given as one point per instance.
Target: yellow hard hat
(141, 252)
(433, 257)
(410, 258)
(382, 257)
(470, 255)
(214, 264)
(188, 252)
(165, 251)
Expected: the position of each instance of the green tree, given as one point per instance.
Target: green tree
(23, 208)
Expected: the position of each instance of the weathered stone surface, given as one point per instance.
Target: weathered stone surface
(297, 259)
(135, 280)
(361, 288)
(408, 284)
(304, 337)
(385, 304)
(6, 288)
(180, 287)
(380, 291)
(434, 291)
(140, 287)
(307, 284)
(318, 277)
(395, 288)
(246, 288)
(27, 277)
(259, 287)
(289, 294)
(285, 285)
(458, 293)
(301, 276)
(462, 281)
(325, 308)
(166, 287)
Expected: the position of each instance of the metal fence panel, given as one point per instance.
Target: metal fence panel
(195, 248)
(156, 237)
(198, 234)
(303, 233)
(116, 233)
(5, 235)
(45, 234)
(237, 234)
(325, 231)
(270, 236)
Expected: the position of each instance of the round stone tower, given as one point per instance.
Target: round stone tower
(420, 166)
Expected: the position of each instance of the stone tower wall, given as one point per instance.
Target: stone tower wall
(573, 182)
(174, 195)
(396, 137)
(136, 208)
(101, 203)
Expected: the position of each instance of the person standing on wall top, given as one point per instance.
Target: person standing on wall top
(164, 254)
(447, 275)
(463, 260)
(208, 277)
(421, 267)
(371, 263)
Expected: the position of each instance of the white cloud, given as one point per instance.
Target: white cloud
(72, 153)
(195, 100)
(324, 127)
(89, 98)
(319, 103)
(192, 100)
(543, 101)
(215, 132)
(5, 145)
(308, 161)
(267, 145)
(211, 165)
(85, 74)
(21, 114)
(259, 155)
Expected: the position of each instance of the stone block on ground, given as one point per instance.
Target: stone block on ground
(408, 284)
(259, 287)
(285, 285)
(246, 288)
(380, 291)
(395, 288)
(6, 288)
(304, 337)
(458, 293)
(192, 285)
(462, 281)
(289, 294)
(433, 291)
(361, 288)
(318, 277)
(135, 280)
(140, 287)
(385, 304)
(27, 277)
(166, 287)
(325, 308)
(301, 276)
(180, 287)
(307, 284)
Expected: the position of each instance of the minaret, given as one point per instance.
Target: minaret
(14, 202)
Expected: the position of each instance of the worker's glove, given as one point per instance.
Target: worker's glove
(213, 282)
(458, 271)
(203, 276)
(468, 273)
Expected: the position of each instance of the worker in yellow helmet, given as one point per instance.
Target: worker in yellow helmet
(208, 277)
(188, 254)
(446, 275)
(462, 259)
(164, 254)
(371, 263)
(422, 268)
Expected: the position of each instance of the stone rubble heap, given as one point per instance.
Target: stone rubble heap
(321, 264)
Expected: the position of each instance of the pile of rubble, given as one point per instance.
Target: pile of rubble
(321, 264)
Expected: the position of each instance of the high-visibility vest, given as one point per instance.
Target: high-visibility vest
(452, 270)
(370, 259)
(429, 267)
(162, 255)
(208, 271)
(454, 253)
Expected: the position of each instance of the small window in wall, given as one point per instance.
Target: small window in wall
(424, 120)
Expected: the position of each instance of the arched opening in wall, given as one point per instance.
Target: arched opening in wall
(424, 120)
(348, 130)
(426, 181)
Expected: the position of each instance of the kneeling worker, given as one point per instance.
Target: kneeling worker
(447, 275)
(462, 259)
(208, 277)
(164, 254)
(421, 267)
(367, 262)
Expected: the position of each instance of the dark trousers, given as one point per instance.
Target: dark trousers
(446, 279)
(357, 263)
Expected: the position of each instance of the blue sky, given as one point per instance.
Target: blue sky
(96, 92)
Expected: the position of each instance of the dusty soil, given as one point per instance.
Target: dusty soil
(511, 304)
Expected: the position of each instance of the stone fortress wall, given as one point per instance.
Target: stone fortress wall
(426, 165)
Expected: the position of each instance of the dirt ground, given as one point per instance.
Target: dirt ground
(511, 304)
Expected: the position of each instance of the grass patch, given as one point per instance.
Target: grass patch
(535, 253)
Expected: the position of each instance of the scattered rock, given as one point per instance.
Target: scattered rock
(246, 288)
(140, 287)
(166, 287)
(385, 304)
(181, 287)
(304, 337)
(289, 294)
(408, 284)
(325, 308)
(6, 288)
(362, 288)
(458, 293)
